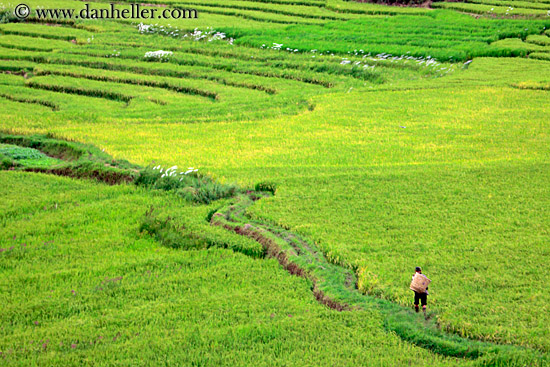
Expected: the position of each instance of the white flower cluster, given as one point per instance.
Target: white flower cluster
(210, 34)
(279, 47)
(346, 61)
(369, 59)
(173, 171)
(144, 28)
(114, 54)
(276, 46)
(428, 60)
(159, 55)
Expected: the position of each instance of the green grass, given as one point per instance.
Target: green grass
(501, 8)
(478, 136)
(334, 286)
(44, 32)
(443, 35)
(27, 157)
(111, 294)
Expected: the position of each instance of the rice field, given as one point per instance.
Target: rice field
(255, 186)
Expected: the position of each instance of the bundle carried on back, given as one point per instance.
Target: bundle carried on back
(420, 283)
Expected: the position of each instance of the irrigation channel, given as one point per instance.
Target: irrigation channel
(336, 287)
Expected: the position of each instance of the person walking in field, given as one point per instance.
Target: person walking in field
(419, 284)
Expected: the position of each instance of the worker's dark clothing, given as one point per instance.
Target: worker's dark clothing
(420, 297)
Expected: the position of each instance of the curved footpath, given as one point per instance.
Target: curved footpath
(335, 286)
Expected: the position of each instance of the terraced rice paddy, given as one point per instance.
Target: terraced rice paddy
(339, 141)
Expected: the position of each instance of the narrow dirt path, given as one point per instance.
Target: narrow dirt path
(335, 287)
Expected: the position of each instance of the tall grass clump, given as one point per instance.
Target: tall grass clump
(267, 186)
(169, 234)
(173, 233)
(190, 185)
(6, 162)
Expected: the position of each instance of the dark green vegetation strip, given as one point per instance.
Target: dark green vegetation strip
(133, 81)
(181, 236)
(230, 67)
(443, 35)
(101, 64)
(41, 102)
(89, 92)
(40, 35)
(277, 10)
(219, 60)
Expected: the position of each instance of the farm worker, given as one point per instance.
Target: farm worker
(420, 296)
